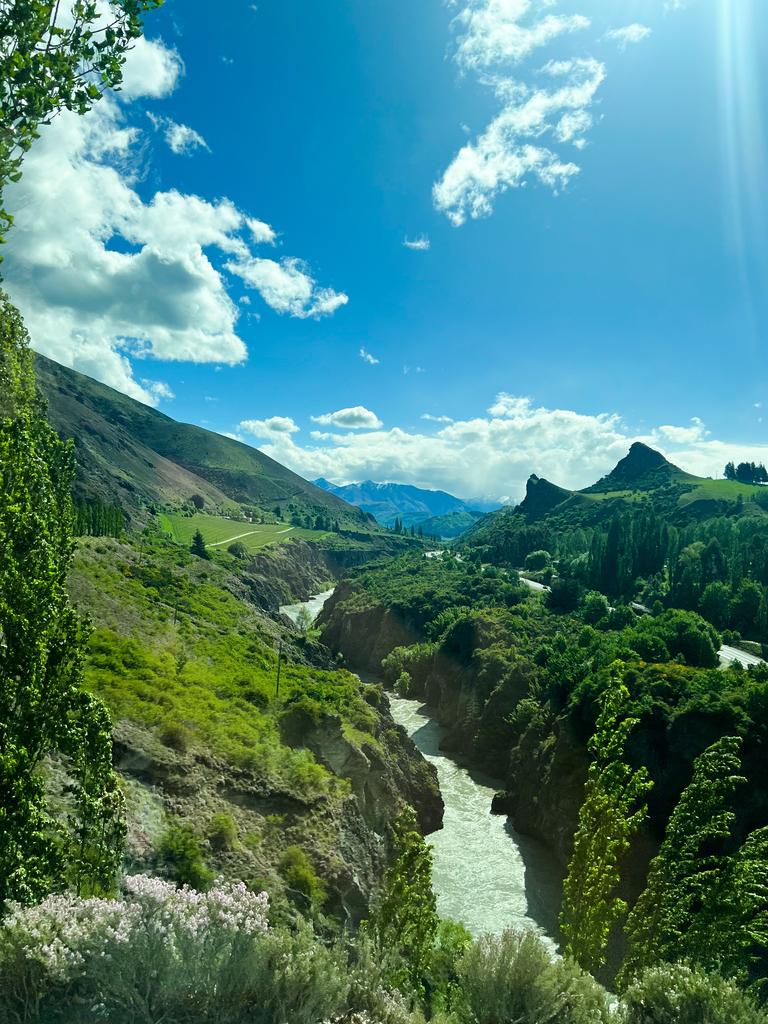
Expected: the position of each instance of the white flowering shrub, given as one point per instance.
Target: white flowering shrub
(157, 953)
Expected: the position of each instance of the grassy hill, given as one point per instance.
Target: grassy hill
(133, 456)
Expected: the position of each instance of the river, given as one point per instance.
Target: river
(485, 874)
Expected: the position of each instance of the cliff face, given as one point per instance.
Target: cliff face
(364, 636)
(293, 571)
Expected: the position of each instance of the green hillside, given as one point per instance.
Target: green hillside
(133, 456)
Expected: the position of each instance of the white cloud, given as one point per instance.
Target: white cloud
(634, 33)
(261, 233)
(420, 244)
(494, 455)
(269, 428)
(492, 33)
(158, 389)
(684, 435)
(355, 418)
(102, 276)
(436, 419)
(511, 151)
(151, 70)
(287, 286)
(368, 358)
(181, 139)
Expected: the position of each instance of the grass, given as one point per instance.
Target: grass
(174, 648)
(723, 490)
(218, 531)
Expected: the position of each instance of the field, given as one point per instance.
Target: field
(219, 532)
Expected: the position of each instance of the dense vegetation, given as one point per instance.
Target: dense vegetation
(598, 711)
(678, 540)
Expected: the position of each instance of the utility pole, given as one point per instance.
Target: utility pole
(279, 662)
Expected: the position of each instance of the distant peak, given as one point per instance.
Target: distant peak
(642, 467)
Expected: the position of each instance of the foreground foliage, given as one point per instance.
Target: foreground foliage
(44, 711)
(178, 956)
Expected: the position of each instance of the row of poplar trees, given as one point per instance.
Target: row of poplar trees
(51, 59)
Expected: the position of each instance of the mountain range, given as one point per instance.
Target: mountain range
(437, 512)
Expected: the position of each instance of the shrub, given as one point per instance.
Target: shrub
(300, 877)
(160, 953)
(238, 549)
(403, 684)
(181, 856)
(177, 736)
(537, 560)
(676, 994)
(512, 977)
(222, 832)
(198, 501)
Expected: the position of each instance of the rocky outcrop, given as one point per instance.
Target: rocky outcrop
(383, 775)
(342, 832)
(364, 636)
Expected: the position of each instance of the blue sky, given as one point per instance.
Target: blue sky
(589, 178)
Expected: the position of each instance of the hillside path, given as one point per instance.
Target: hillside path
(250, 533)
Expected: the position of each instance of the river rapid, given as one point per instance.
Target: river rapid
(484, 874)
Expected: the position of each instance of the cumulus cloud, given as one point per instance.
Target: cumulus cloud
(151, 70)
(684, 435)
(420, 244)
(158, 389)
(512, 148)
(491, 32)
(366, 356)
(261, 233)
(355, 418)
(104, 277)
(634, 33)
(269, 428)
(287, 286)
(181, 139)
(493, 455)
(436, 419)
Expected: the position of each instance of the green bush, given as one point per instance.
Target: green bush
(181, 857)
(222, 832)
(301, 878)
(512, 977)
(238, 549)
(537, 560)
(676, 994)
(403, 684)
(176, 736)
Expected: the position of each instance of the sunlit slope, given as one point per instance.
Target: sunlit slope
(137, 457)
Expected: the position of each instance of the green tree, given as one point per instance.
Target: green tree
(405, 917)
(57, 56)
(610, 814)
(716, 604)
(197, 547)
(44, 712)
(672, 919)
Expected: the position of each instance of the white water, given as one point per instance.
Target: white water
(485, 874)
(314, 604)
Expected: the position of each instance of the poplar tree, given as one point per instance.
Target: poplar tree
(701, 903)
(611, 812)
(44, 712)
(688, 865)
(405, 919)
